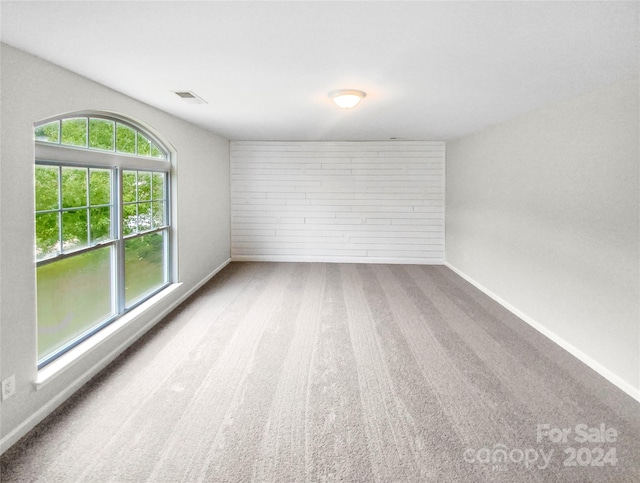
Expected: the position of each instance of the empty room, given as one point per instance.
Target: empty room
(319, 241)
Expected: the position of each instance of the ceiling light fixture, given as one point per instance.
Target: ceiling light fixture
(346, 98)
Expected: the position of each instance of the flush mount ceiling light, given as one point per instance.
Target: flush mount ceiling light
(346, 98)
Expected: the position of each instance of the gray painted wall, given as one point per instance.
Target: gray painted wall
(542, 211)
(33, 89)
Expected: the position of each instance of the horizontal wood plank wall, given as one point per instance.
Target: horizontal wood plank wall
(338, 201)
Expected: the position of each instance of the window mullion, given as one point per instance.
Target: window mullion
(60, 245)
(89, 234)
(137, 204)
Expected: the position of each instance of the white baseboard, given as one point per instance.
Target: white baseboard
(331, 259)
(202, 282)
(28, 424)
(632, 391)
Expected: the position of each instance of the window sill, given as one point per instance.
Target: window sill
(67, 360)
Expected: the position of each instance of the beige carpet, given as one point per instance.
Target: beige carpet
(325, 372)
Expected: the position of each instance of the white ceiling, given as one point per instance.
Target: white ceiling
(431, 70)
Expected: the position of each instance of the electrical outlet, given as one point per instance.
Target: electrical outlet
(8, 387)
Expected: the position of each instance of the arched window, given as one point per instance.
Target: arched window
(102, 220)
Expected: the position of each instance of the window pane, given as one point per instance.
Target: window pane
(100, 224)
(155, 152)
(48, 132)
(144, 186)
(74, 131)
(144, 146)
(129, 219)
(74, 187)
(47, 235)
(125, 139)
(46, 188)
(74, 230)
(144, 266)
(74, 295)
(129, 186)
(144, 216)
(158, 186)
(99, 187)
(101, 134)
(158, 214)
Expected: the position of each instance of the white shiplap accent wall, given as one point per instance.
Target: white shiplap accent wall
(338, 201)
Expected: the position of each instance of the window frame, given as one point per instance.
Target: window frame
(62, 155)
(166, 153)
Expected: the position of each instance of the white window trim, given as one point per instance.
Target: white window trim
(74, 155)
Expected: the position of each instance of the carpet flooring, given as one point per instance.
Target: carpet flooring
(288, 372)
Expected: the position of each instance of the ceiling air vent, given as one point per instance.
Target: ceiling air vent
(190, 97)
